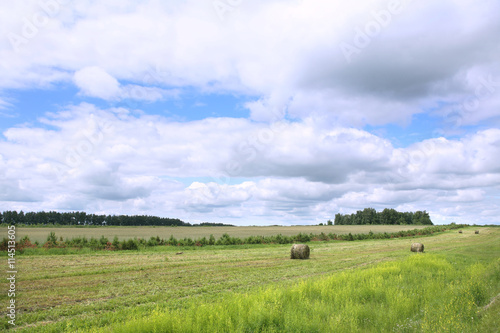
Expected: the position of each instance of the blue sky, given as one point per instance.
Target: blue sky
(268, 112)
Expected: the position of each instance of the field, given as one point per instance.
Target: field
(372, 285)
(40, 233)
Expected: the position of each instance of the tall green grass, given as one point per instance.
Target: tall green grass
(424, 292)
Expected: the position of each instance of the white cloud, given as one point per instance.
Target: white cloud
(113, 161)
(95, 82)
(278, 51)
(4, 108)
(4, 104)
(302, 155)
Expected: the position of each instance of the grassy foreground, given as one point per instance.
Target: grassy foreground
(421, 293)
(375, 285)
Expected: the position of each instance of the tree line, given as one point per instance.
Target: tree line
(82, 218)
(104, 243)
(387, 216)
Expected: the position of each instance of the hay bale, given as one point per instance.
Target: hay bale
(476, 232)
(417, 247)
(460, 231)
(299, 251)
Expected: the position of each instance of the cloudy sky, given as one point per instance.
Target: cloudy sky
(251, 112)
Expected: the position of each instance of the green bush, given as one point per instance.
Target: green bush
(153, 241)
(116, 243)
(131, 244)
(226, 239)
(172, 241)
(52, 238)
(103, 241)
(211, 240)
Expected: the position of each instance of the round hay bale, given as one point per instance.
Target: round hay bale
(417, 247)
(299, 251)
(460, 231)
(476, 232)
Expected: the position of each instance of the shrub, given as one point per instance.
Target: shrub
(172, 241)
(131, 244)
(4, 244)
(94, 244)
(302, 238)
(323, 236)
(51, 238)
(203, 241)
(116, 243)
(225, 239)
(104, 241)
(188, 242)
(24, 243)
(253, 240)
(153, 241)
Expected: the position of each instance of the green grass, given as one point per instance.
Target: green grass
(420, 293)
(104, 290)
(40, 233)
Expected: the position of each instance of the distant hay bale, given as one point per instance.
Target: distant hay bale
(417, 247)
(476, 232)
(299, 251)
(460, 231)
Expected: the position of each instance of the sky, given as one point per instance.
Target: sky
(251, 112)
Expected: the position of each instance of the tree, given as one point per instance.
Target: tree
(387, 216)
(421, 218)
(369, 216)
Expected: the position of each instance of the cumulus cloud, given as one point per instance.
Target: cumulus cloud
(408, 59)
(95, 82)
(102, 160)
(314, 75)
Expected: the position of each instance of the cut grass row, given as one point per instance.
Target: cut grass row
(103, 289)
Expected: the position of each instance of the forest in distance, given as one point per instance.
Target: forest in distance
(387, 216)
(366, 216)
(85, 219)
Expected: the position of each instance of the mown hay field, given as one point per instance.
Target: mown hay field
(371, 285)
(40, 233)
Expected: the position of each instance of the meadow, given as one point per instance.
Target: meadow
(40, 233)
(370, 285)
